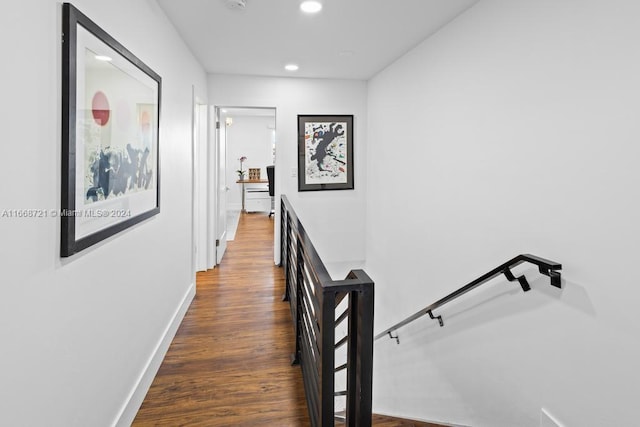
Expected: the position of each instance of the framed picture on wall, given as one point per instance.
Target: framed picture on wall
(110, 122)
(325, 152)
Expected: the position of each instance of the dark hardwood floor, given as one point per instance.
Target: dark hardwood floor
(229, 362)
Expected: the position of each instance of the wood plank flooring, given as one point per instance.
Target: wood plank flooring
(229, 362)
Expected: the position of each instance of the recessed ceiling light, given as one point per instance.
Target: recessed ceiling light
(311, 6)
(103, 58)
(291, 67)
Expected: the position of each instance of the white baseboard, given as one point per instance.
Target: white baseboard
(133, 402)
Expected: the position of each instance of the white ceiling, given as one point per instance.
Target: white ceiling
(352, 39)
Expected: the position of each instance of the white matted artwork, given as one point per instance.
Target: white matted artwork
(325, 152)
(111, 112)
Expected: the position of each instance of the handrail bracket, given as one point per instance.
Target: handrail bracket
(439, 318)
(521, 279)
(555, 276)
(397, 338)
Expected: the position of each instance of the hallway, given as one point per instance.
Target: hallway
(229, 362)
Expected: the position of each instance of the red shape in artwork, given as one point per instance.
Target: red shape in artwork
(100, 108)
(145, 120)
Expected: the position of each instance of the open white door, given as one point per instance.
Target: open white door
(221, 196)
(200, 205)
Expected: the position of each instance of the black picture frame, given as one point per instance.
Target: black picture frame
(110, 129)
(325, 152)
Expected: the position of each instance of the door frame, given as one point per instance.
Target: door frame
(217, 125)
(201, 230)
(219, 183)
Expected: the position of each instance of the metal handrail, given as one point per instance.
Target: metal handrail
(313, 298)
(546, 267)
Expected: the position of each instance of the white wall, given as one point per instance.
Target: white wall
(77, 334)
(334, 219)
(249, 136)
(514, 129)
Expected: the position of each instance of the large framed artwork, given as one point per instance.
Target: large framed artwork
(110, 122)
(325, 152)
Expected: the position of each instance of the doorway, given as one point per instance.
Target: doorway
(246, 141)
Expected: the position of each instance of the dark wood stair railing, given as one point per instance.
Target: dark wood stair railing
(314, 298)
(546, 267)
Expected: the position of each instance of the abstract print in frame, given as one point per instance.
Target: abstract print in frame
(325, 152)
(110, 122)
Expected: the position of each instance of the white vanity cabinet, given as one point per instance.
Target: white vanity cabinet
(256, 198)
